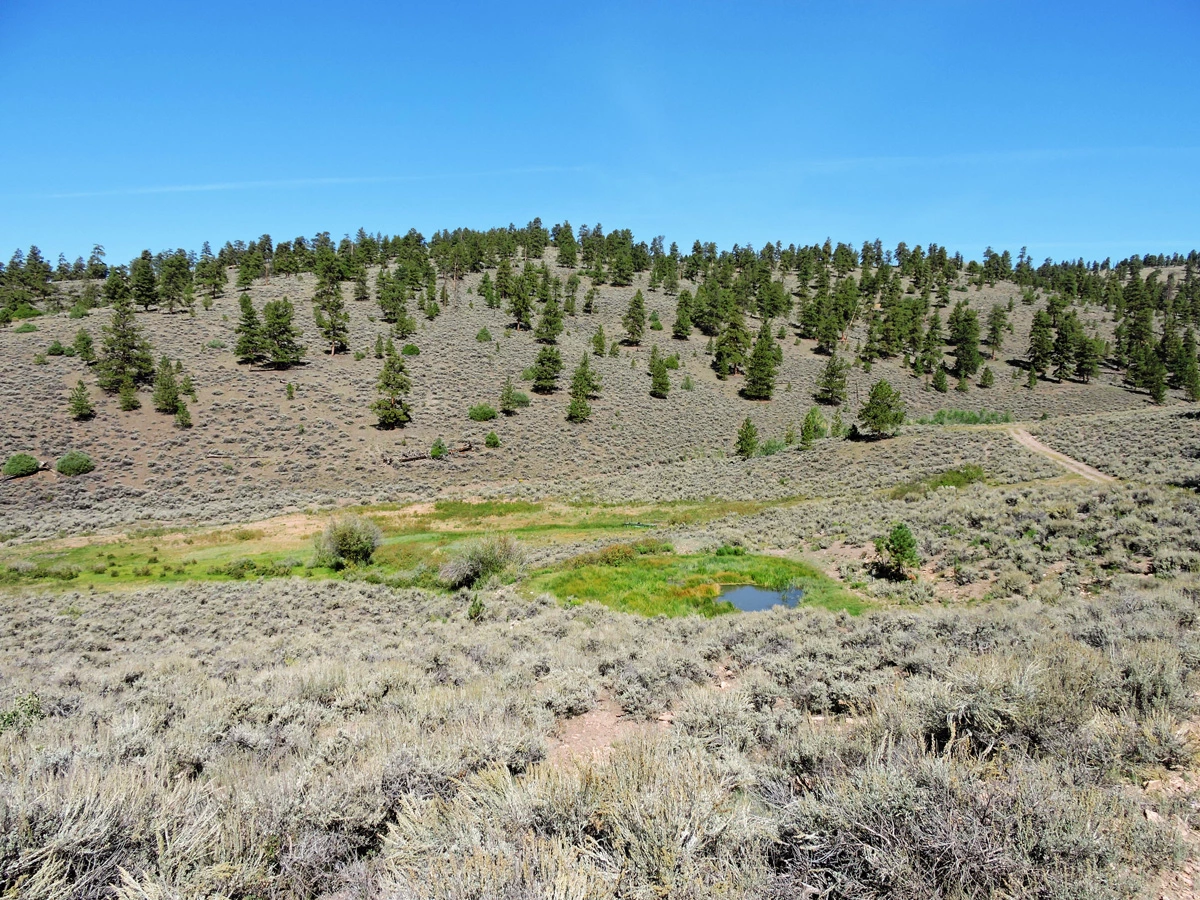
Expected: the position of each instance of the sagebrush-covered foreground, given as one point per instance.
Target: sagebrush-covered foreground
(297, 738)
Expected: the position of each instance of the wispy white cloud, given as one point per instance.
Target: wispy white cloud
(895, 162)
(298, 183)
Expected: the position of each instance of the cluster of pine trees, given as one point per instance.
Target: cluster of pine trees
(895, 295)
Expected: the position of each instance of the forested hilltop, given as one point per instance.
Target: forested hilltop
(891, 301)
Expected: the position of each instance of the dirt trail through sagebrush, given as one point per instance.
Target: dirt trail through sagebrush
(1027, 440)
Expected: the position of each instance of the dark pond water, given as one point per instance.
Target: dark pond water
(749, 598)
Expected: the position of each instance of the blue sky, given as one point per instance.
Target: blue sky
(1070, 129)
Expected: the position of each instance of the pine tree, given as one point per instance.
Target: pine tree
(634, 319)
(660, 382)
(1154, 376)
(1041, 342)
(128, 397)
(581, 388)
(278, 336)
(831, 384)
(362, 293)
(747, 439)
(760, 370)
(568, 247)
(1066, 342)
(729, 351)
(964, 335)
(997, 322)
(82, 345)
(884, 410)
(508, 397)
(80, 403)
(175, 283)
(183, 417)
(550, 325)
(940, 384)
(249, 348)
(546, 369)
(599, 342)
(931, 345)
(813, 428)
(987, 377)
(116, 286)
(143, 284)
(390, 407)
(681, 330)
(520, 307)
(487, 290)
(330, 315)
(124, 353)
(1189, 368)
(166, 388)
(1087, 358)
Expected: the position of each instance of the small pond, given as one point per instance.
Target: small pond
(751, 598)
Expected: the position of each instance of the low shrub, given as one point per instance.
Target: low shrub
(73, 463)
(481, 412)
(771, 447)
(965, 417)
(480, 559)
(410, 350)
(956, 478)
(439, 450)
(616, 554)
(483, 335)
(20, 465)
(492, 440)
(25, 328)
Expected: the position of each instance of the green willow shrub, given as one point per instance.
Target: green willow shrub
(20, 465)
(481, 412)
(74, 463)
(349, 540)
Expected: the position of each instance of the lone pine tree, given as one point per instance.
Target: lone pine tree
(1041, 342)
(80, 403)
(393, 385)
(166, 388)
(831, 383)
(760, 370)
(660, 382)
(747, 439)
(330, 315)
(143, 283)
(124, 352)
(546, 369)
(508, 397)
(681, 330)
(634, 320)
(884, 410)
(278, 342)
(550, 325)
(581, 387)
(83, 347)
(249, 347)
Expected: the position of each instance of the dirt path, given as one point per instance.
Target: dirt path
(1028, 441)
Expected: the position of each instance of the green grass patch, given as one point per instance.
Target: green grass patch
(965, 417)
(956, 478)
(654, 584)
(469, 511)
